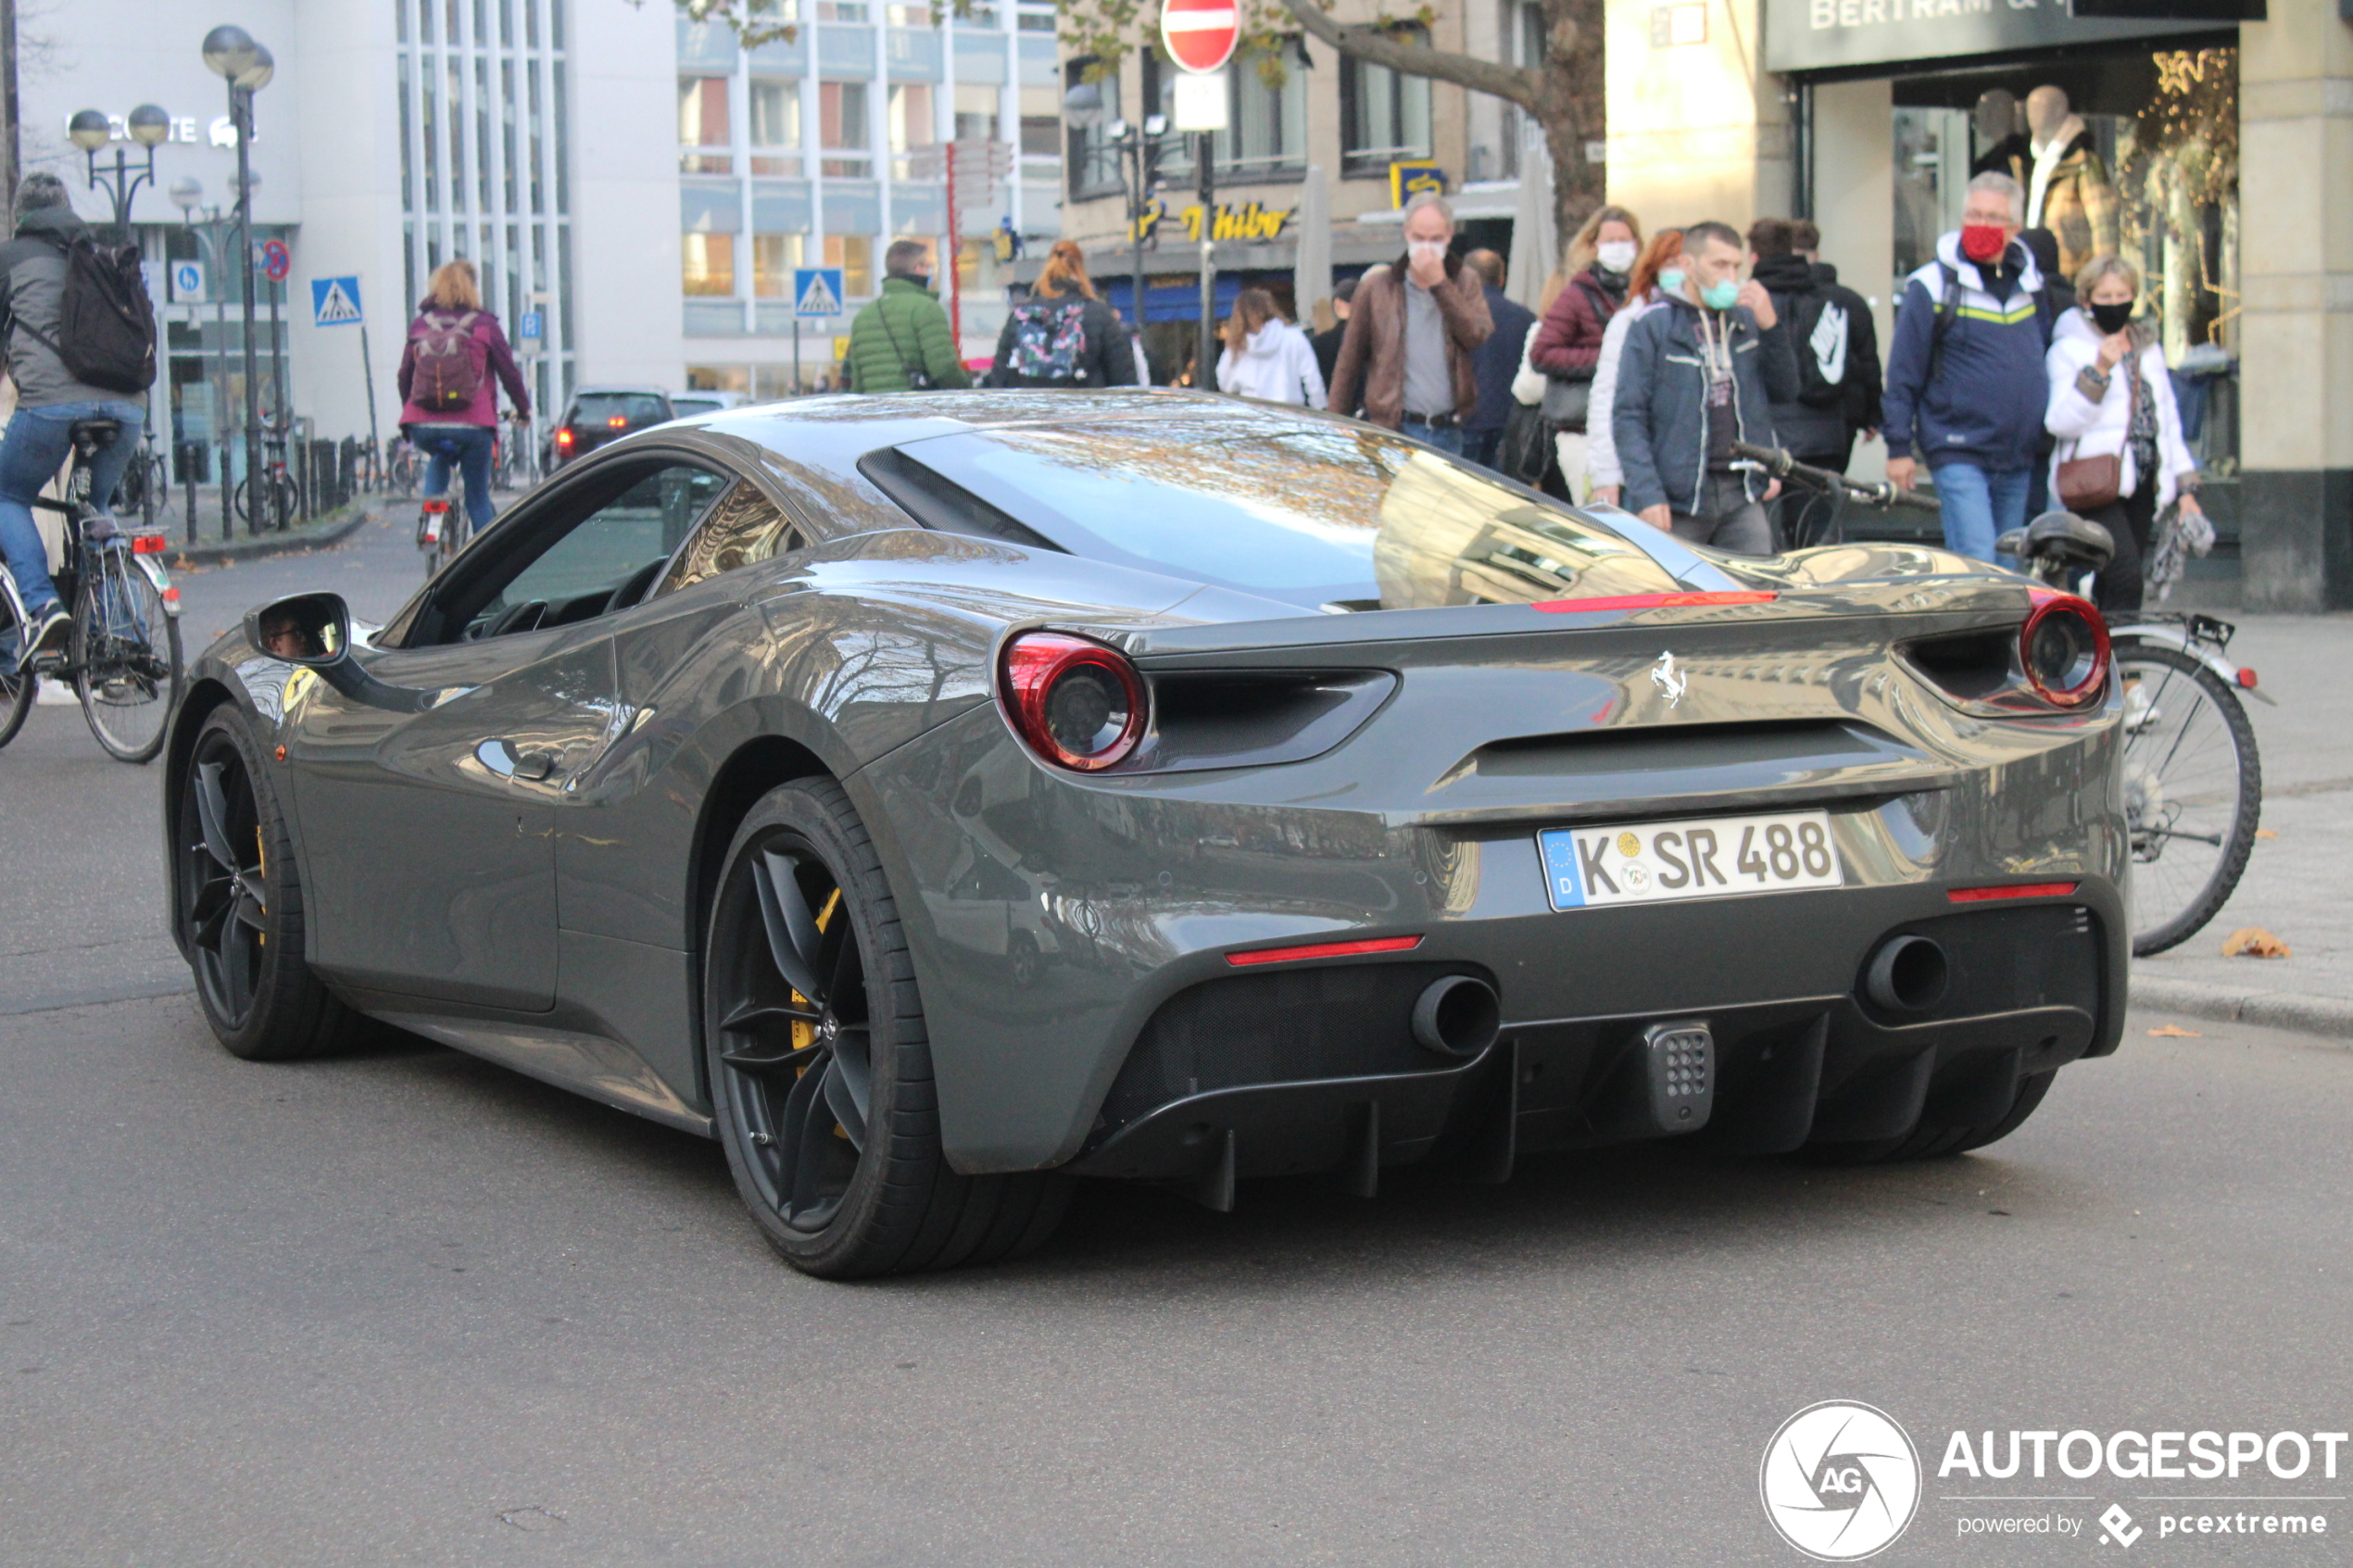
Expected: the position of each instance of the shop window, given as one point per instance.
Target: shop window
(854, 253)
(774, 258)
(718, 378)
(703, 134)
(775, 126)
(707, 265)
(1092, 161)
(1384, 114)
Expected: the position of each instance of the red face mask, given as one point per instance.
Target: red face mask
(1983, 241)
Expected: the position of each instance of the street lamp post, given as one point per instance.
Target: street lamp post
(188, 196)
(90, 131)
(1139, 156)
(233, 54)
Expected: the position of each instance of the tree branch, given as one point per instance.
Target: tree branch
(1378, 46)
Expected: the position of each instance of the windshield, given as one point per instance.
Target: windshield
(632, 407)
(1312, 513)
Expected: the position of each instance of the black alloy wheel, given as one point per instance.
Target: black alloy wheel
(239, 905)
(819, 1065)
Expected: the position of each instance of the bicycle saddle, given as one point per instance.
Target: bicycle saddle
(2074, 541)
(93, 436)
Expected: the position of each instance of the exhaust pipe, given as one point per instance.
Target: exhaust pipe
(1906, 974)
(1457, 1015)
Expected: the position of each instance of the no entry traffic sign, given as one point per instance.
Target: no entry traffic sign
(1200, 34)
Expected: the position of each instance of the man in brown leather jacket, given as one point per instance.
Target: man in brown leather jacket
(1406, 360)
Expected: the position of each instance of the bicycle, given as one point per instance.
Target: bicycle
(403, 470)
(284, 495)
(123, 656)
(1841, 492)
(440, 534)
(146, 484)
(2193, 777)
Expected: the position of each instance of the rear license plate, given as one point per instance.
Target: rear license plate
(1715, 858)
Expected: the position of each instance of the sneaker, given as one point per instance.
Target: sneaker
(50, 629)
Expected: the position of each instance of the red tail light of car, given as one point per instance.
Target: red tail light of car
(2063, 649)
(617, 421)
(1076, 703)
(565, 438)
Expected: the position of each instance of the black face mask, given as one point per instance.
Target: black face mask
(2111, 318)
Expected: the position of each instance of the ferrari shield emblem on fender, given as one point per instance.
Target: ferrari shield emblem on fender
(1667, 679)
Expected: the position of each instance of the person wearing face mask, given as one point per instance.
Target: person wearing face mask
(901, 341)
(1701, 370)
(1411, 329)
(1567, 346)
(1966, 387)
(2110, 396)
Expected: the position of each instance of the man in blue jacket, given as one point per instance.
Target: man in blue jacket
(1496, 361)
(1701, 370)
(1966, 387)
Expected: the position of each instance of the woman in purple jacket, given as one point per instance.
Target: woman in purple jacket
(448, 399)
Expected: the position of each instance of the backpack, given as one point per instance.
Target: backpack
(1050, 338)
(444, 376)
(1948, 306)
(1818, 330)
(104, 319)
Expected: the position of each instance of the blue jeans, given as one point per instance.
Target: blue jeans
(35, 447)
(469, 448)
(1979, 506)
(1446, 438)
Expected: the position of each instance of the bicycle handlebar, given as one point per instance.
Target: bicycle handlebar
(1781, 465)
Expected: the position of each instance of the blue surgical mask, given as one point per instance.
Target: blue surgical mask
(1670, 280)
(1721, 297)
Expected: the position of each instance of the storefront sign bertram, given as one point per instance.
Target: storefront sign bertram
(1825, 34)
(1253, 222)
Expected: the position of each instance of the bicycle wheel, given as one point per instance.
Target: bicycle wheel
(17, 686)
(125, 656)
(2192, 793)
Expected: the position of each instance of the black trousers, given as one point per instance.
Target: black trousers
(2131, 519)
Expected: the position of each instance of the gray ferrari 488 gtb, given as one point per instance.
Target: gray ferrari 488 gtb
(935, 798)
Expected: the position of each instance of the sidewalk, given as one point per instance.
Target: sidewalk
(2295, 882)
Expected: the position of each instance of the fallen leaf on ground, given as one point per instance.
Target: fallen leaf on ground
(2175, 1032)
(2265, 833)
(2253, 941)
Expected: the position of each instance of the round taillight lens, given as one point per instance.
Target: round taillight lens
(2063, 649)
(1078, 703)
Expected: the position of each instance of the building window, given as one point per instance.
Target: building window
(841, 126)
(708, 265)
(774, 256)
(1523, 32)
(1092, 161)
(854, 253)
(1269, 138)
(841, 10)
(1384, 114)
(703, 135)
(913, 125)
(775, 126)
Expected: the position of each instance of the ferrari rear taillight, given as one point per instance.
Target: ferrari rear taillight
(2063, 650)
(1079, 704)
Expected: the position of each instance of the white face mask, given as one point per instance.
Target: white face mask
(1616, 255)
(1426, 250)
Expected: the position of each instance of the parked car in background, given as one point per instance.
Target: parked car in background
(599, 414)
(687, 405)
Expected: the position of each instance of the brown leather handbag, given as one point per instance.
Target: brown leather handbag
(2085, 484)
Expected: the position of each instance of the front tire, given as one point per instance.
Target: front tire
(2192, 793)
(819, 1067)
(238, 903)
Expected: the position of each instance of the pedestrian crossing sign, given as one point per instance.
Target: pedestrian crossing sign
(816, 290)
(335, 302)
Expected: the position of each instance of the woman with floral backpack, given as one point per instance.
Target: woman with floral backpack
(448, 400)
(1063, 335)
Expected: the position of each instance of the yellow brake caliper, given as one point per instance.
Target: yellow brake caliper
(805, 1035)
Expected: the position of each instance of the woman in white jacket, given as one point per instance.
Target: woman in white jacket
(1266, 356)
(2095, 412)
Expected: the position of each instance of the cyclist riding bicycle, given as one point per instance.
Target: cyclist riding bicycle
(448, 400)
(62, 356)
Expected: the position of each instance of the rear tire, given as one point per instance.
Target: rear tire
(237, 902)
(1929, 1142)
(803, 887)
(126, 659)
(17, 686)
(2191, 773)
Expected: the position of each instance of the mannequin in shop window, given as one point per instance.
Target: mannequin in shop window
(2003, 148)
(2067, 186)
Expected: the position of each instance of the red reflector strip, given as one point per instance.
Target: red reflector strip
(1652, 601)
(149, 544)
(171, 596)
(2247, 679)
(1324, 951)
(2014, 890)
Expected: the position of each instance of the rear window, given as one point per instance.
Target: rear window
(633, 408)
(1312, 514)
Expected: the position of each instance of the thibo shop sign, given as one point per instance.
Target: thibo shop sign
(1821, 34)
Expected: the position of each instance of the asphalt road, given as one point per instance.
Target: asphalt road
(408, 1308)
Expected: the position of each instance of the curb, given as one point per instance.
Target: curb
(264, 545)
(2329, 1016)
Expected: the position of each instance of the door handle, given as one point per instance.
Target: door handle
(534, 765)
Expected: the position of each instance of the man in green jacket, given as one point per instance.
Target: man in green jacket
(904, 330)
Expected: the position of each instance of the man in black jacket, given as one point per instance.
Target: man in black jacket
(1701, 370)
(1327, 344)
(1837, 353)
(1496, 361)
(50, 401)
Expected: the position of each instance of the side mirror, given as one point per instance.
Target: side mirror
(313, 629)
